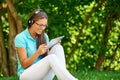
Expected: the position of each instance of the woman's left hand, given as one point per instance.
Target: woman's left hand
(59, 42)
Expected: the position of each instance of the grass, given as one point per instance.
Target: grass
(97, 75)
(9, 78)
(86, 75)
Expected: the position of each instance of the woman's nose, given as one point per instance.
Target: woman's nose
(43, 27)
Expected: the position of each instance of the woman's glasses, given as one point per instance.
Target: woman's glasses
(41, 25)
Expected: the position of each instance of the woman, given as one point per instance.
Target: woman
(35, 62)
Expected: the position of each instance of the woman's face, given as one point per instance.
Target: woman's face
(40, 25)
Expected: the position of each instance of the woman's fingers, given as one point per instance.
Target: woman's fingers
(43, 48)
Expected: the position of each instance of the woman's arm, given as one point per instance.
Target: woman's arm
(24, 60)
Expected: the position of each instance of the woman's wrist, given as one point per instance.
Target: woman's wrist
(39, 52)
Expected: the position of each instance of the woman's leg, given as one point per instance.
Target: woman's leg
(41, 68)
(37, 71)
(59, 52)
(50, 75)
(59, 69)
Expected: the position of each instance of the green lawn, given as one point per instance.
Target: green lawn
(97, 75)
(86, 75)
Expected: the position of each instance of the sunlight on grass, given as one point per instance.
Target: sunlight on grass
(97, 75)
(86, 75)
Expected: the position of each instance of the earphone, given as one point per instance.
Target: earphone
(30, 20)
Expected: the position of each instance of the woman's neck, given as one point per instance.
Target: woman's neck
(32, 33)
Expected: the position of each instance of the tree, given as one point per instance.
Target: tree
(15, 27)
(90, 28)
(83, 25)
(112, 15)
(3, 54)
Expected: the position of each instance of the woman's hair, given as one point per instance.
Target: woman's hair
(35, 16)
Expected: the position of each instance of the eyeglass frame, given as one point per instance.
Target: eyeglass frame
(41, 25)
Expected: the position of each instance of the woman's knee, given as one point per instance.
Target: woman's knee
(52, 57)
(57, 46)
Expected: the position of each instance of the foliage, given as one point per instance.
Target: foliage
(1, 75)
(66, 18)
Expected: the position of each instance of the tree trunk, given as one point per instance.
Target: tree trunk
(0, 36)
(15, 15)
(15, 27)
(3, 54)
(104, 41)
(99, 61)
(11, 48)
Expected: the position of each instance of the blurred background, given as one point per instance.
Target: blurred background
(91, 29)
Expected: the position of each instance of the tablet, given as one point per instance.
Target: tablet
(54, 41)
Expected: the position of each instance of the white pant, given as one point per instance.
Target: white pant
(54, 62)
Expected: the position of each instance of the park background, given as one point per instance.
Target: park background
(91, 29)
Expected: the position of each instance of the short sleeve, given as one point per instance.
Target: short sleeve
(20, 41)
(46, 37)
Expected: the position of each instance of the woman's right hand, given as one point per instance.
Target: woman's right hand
(42, 49)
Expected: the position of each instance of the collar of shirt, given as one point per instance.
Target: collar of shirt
(28, 35)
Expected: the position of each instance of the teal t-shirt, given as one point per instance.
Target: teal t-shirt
(24, 40)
